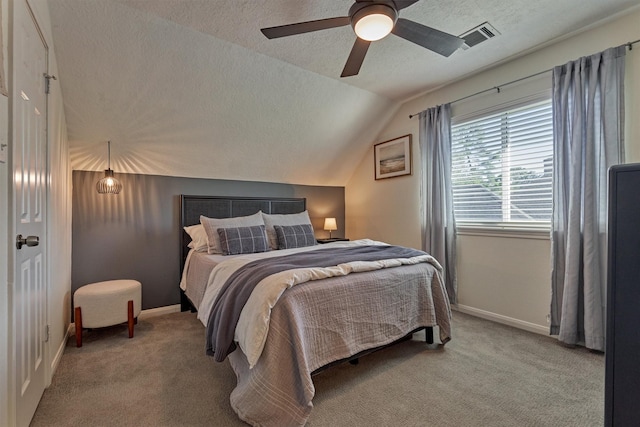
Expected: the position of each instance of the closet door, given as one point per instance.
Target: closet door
(622, 375)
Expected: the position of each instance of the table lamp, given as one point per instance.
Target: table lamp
(330, 225)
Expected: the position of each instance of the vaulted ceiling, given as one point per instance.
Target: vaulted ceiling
(193, 88)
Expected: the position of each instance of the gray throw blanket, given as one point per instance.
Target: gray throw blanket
(236, 290)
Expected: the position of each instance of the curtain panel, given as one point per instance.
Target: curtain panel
(438, 222)
(588, 114)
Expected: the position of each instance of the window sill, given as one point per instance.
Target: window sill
(513, 231)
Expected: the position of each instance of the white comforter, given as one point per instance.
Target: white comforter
(253, 325)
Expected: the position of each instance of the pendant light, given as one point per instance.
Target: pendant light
(108, 184)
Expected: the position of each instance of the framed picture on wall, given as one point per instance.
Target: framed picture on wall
(393, 158)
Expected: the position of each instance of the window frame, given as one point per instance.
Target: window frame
(516, 229)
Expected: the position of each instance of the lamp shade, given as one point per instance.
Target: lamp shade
(330, 224)
(108, 184)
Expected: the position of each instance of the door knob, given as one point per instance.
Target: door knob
(29, 241)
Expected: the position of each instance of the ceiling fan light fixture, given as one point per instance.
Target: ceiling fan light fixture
(374, 22)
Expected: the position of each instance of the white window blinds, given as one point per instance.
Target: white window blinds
(501, 166)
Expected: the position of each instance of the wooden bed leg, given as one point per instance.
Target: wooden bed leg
(428, 332)
(78, 321)
(130, 319)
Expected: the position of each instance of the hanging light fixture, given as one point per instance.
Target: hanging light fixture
(108, 184)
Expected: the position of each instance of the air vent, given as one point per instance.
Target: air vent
(478, 34)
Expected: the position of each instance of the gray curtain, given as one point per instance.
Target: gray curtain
(439, 226)
(588, 113)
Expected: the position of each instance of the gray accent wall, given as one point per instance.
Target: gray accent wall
(135, 234)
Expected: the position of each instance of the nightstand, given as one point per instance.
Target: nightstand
(333, 239)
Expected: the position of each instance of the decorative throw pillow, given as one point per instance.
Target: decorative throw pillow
(198, 237)
(282, 219)
(211, 226)
(243, 240)
(294, 236)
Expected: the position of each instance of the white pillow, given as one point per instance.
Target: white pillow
(198, 237)
(283, 219)
(211, 226)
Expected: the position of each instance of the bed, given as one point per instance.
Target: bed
(296, 322)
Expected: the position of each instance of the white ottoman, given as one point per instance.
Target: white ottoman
(105, 304)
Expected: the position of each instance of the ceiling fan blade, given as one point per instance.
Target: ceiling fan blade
(443, 43)
(356, 57)
(401, 4)
(305, 27)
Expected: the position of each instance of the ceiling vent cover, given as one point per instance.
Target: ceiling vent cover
(478, 34)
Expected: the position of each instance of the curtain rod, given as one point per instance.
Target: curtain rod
(497, 88)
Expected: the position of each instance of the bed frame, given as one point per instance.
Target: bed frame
(191, 207)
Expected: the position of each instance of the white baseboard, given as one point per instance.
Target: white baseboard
(505, 320)
(56, 360)
(159, 311)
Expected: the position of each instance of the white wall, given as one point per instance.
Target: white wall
(504, 278)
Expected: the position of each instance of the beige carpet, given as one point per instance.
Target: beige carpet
(488, 375)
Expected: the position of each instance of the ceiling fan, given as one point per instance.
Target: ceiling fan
(373, 20)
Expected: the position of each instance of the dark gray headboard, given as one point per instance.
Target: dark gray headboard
(191, 207)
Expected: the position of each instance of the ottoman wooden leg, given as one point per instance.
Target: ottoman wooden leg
(78, 320)
(130, 318)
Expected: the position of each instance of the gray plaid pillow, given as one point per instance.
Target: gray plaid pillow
(243, 240)
(295, 236)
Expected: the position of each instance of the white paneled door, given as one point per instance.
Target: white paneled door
(30, 201)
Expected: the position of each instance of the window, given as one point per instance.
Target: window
(501, 167)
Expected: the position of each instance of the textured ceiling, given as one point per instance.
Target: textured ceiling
(193, 88)
(394, 68)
